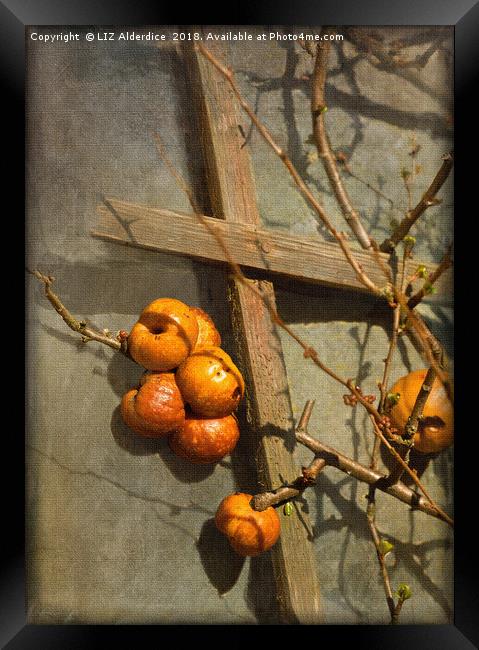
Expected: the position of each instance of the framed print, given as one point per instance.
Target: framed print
(240, 312)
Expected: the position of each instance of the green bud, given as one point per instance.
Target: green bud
(385, 547)
(405, 173)
(429, 288)
(323, 109)
(288, 509)
(409, 240)
(421, 272)
(404, 591)
(387, 293)
(393, 398)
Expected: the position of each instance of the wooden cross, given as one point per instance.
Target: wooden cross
(232, 196)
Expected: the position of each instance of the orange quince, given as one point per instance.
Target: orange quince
(210, 382)
(165, 334)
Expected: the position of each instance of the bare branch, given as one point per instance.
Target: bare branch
(325, 456)
(371, 518)
(428, 199)
(309, 352)
(440, 513)
(445, 263)
(362, 277)
(310, 473)
(303, 188)
(364, 474)
(318, 108)
(228, 74)
(88, 333)
(383, 387)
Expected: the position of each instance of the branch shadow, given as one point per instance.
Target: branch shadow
(412, 557)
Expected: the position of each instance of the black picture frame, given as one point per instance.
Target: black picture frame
(464, 15)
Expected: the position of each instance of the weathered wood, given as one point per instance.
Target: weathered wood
(232, 196)
(306, 259)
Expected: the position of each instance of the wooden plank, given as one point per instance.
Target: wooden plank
(305, 259)
(232, 195)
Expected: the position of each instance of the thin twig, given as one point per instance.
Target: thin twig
(445, 263)
(431, 347)
(389, 358)
(371, 519)
(361, 276)
(371, 507)
(264, 132)
(88, 333)
(318, 108)
(309, 352)
(428, 199)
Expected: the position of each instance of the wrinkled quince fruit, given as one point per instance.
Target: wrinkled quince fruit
(156, 407)
(205, 440)
(165, 334)
(210, 382)
(249, 531)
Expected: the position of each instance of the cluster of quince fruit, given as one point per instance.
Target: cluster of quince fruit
(188, 393)
(190, 388)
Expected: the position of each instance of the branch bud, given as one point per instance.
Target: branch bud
(409, 241)
(385, 547)
(393, 398)
(404, 591)
(421, 272)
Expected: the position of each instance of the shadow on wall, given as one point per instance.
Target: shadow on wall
(410, 558)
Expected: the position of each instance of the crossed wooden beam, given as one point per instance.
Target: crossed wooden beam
(302, 259)
(258, 346)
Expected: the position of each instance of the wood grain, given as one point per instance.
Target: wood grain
(233, 197)
(306, 259)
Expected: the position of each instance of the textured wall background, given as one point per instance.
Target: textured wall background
(119, 530)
